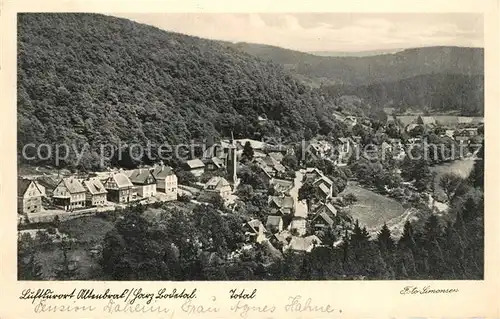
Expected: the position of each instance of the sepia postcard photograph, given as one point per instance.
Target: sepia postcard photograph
(242, 147)
(177, 147)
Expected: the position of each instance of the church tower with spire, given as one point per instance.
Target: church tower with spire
(232, 161)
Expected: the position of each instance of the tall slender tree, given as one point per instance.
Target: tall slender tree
(385, 240)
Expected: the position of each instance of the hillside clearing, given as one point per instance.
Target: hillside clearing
(372, 209)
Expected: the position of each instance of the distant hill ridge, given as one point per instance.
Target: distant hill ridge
(434, 93)
(354, 53)
(373, 69)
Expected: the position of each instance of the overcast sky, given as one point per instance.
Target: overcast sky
(326, 31)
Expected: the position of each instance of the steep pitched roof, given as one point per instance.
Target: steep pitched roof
(281, 184)
(303, 244)
(23, 184)
(140, 176)
(282, 201)
(313, 171)
(255, 225)
(121, 180)
(282, 236)
(324, 189)
(128, 173)
(73, 185)
(272, 162)
(216, 183)
(49, 182)
(195, 163)
(279, 167)
(331, 209)
(323, 178)
(217, 162)
(161, 172)
(325, 217)
(265, 169)
(273, 221)
(276, 156)
(94, 186)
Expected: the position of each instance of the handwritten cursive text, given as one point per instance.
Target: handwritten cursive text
(295, 305)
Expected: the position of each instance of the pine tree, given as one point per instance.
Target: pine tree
(359, 235)
(384, 239)
(407, 240)
(432, 229)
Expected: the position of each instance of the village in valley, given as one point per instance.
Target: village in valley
(305, 207)
(151, 152)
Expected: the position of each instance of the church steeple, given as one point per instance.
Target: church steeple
(232, 161)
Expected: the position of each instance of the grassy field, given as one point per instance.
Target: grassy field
(372, 209)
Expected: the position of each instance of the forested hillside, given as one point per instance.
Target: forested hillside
(95, 79)
(432, 92)
(373, 69)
